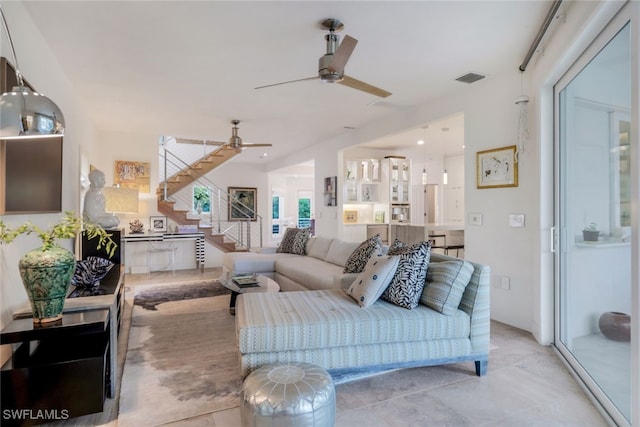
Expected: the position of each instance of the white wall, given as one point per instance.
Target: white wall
(491, 120)
(32, 53)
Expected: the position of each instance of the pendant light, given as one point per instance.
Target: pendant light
(24, 113)
(423, 142)
(445, 175)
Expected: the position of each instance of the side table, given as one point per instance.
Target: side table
(57, 371)
(264, 284)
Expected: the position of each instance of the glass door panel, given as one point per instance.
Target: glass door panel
(593, 183)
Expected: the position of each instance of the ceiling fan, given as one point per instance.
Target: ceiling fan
(331, 64)
(235, 141)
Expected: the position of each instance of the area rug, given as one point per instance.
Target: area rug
(181, 361)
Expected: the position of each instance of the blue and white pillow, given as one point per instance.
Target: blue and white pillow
(446, 282)
(373, 281)
(406, 287)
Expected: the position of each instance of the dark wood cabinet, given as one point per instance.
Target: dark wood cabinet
(57, 371)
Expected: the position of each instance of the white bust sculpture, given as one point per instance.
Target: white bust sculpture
(94, 202)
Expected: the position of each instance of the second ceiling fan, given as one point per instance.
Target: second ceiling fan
(235, 141)
(331, 65)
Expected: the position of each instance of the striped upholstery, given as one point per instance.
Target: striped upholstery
(331, 318)
(328, 328)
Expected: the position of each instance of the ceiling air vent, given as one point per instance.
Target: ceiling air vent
(470, 78)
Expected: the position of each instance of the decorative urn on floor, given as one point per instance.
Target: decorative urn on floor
(46, 271)
(615, 325)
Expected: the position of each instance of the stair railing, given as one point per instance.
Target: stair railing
(242, 231)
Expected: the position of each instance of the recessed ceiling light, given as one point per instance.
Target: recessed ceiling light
(420, 141)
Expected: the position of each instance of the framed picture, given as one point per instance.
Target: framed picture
(136, 175)
(350, 217)
(242, 203)
(497, 168)
(158, 224)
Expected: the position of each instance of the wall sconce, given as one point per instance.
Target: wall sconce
(24, 113)
(445, 178)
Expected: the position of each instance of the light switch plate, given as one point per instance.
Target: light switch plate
(475, 219)
(516, 220)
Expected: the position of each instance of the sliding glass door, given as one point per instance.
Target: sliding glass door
(593, 217)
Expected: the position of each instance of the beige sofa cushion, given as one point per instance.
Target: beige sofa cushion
(310, 272)
(249, 262)
(318, 246)
(340, 251)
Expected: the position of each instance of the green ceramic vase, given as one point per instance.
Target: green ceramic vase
(46, 274)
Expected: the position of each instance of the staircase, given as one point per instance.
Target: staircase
(175, 200)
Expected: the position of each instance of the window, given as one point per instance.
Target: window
(201, 199)
(275, 215)
(304, 213)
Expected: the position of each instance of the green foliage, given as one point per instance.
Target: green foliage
(304, 208)
(275, 207)
(68, 227)
(201, 196)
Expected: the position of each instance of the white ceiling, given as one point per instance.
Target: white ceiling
(186, 68)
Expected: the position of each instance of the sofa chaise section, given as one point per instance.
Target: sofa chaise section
(327, 328)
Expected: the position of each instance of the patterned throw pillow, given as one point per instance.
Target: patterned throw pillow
(446, 282)
(89, 271)
(289, 244)
(375, 278)
(359, 258)
(407, 284)
(299, 246)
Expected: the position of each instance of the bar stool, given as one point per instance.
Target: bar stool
(433, 237)
(159, 246)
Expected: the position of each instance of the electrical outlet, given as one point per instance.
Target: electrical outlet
(505, 283)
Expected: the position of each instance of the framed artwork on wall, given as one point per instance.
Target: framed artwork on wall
(350, 217)
(242, 203)
(497, 168)
(135, 175)
(158, 224)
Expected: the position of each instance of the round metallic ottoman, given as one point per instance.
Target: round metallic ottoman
(288, 394)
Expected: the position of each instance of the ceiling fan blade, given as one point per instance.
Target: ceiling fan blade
(244, 144)
(290, 81)
(198, 141)
(365, 87)
(342, 54)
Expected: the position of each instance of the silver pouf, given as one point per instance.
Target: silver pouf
(288, 394)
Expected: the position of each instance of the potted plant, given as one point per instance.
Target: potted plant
(46, 271)
(590, 233)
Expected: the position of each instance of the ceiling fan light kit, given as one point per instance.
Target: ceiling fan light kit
(331, 64)
(235, 142)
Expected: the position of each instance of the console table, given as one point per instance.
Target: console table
(58, 370)
(197, 237)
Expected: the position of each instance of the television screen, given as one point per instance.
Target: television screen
(31, 175)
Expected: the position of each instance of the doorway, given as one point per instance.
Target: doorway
(593, 178)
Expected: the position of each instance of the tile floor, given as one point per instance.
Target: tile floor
(527, 385)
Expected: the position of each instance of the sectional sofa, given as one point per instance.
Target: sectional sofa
(322, 266)
(327, 327)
